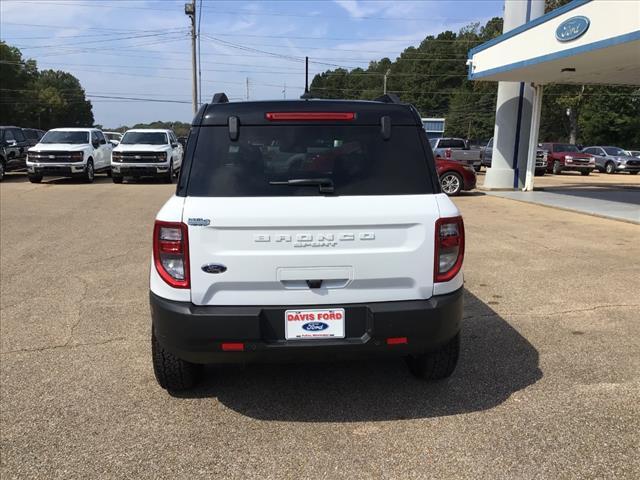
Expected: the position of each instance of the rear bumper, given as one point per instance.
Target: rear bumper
(196, 333)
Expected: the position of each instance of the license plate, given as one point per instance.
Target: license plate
(314, 324)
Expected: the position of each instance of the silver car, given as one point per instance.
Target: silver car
(613, 159)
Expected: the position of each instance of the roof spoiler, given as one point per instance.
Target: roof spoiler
(388, 98)
(220, 98)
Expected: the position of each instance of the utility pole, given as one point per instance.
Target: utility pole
(247, 82)
(384, 88)
(190, 11)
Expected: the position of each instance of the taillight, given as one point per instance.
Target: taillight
(171, 253)
(447, 153)
(449, 248)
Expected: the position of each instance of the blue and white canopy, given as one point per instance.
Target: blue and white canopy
(585, 42)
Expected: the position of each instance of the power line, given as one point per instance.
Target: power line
(31, 47)
(246, 13)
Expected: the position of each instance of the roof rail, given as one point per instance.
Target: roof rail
(220, 98)
(388, 98)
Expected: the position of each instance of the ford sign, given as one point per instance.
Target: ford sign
(572, 28)
(315, 326)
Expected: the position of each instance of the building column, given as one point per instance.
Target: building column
(513, 112)
(533, 137)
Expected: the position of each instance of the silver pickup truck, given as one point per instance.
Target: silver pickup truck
(456, 149)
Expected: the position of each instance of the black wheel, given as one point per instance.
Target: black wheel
(557, 168)
(540, 173)
(1, 170)
(633, 173)
(173, 373)
(610, 168)
(436, 365)
(89, 173)
(168, 177)
(108, 172)
(584, 173)
(35, 178)
(116, 178)
(451, 183)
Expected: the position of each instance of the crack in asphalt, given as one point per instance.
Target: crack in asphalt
(65, 346)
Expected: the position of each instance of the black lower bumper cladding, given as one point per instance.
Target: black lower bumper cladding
(197, 333)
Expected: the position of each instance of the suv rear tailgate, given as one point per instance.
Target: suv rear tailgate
(362, 248)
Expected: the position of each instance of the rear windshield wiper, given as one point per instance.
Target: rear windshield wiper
(325, 185)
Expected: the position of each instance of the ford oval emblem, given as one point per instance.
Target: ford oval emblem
(214, 268)
(315, 326)
(572, 28)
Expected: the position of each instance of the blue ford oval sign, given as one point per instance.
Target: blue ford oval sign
(214, 268)
(572, 28)
(315, 326)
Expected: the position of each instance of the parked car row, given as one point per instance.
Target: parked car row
(486, 156)
(14, 143)
(83, 152)
(560, 157)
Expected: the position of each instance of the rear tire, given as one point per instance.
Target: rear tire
(610, 168)
(1, 170)
(451, 183)
(116, 178)
(35, 178)
(557, 168)
(437, 365)
(172, 373)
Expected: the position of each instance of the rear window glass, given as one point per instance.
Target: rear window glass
(353, 160)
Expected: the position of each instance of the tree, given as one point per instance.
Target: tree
(61, 101)
(16, 79)
(45, 99)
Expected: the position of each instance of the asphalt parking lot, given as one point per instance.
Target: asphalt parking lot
(548, 385)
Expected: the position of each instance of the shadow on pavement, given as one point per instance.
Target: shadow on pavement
(495, 362)
(14, 177)
(612, 192)
(99, 178)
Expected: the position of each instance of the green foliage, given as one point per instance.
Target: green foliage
(46, 99)
(181, 129)
(16, 77)
(431, 76)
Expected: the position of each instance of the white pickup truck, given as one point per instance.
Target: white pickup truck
(69, 152)
(147, 153)
(456, 149)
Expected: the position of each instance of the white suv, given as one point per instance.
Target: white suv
(306, 230)
(69, 152)
(147, 153)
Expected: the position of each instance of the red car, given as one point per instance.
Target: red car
(565, 156)
(455, 176)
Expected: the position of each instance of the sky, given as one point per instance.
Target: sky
(140, 50)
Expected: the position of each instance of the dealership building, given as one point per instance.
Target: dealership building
(582, 42)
